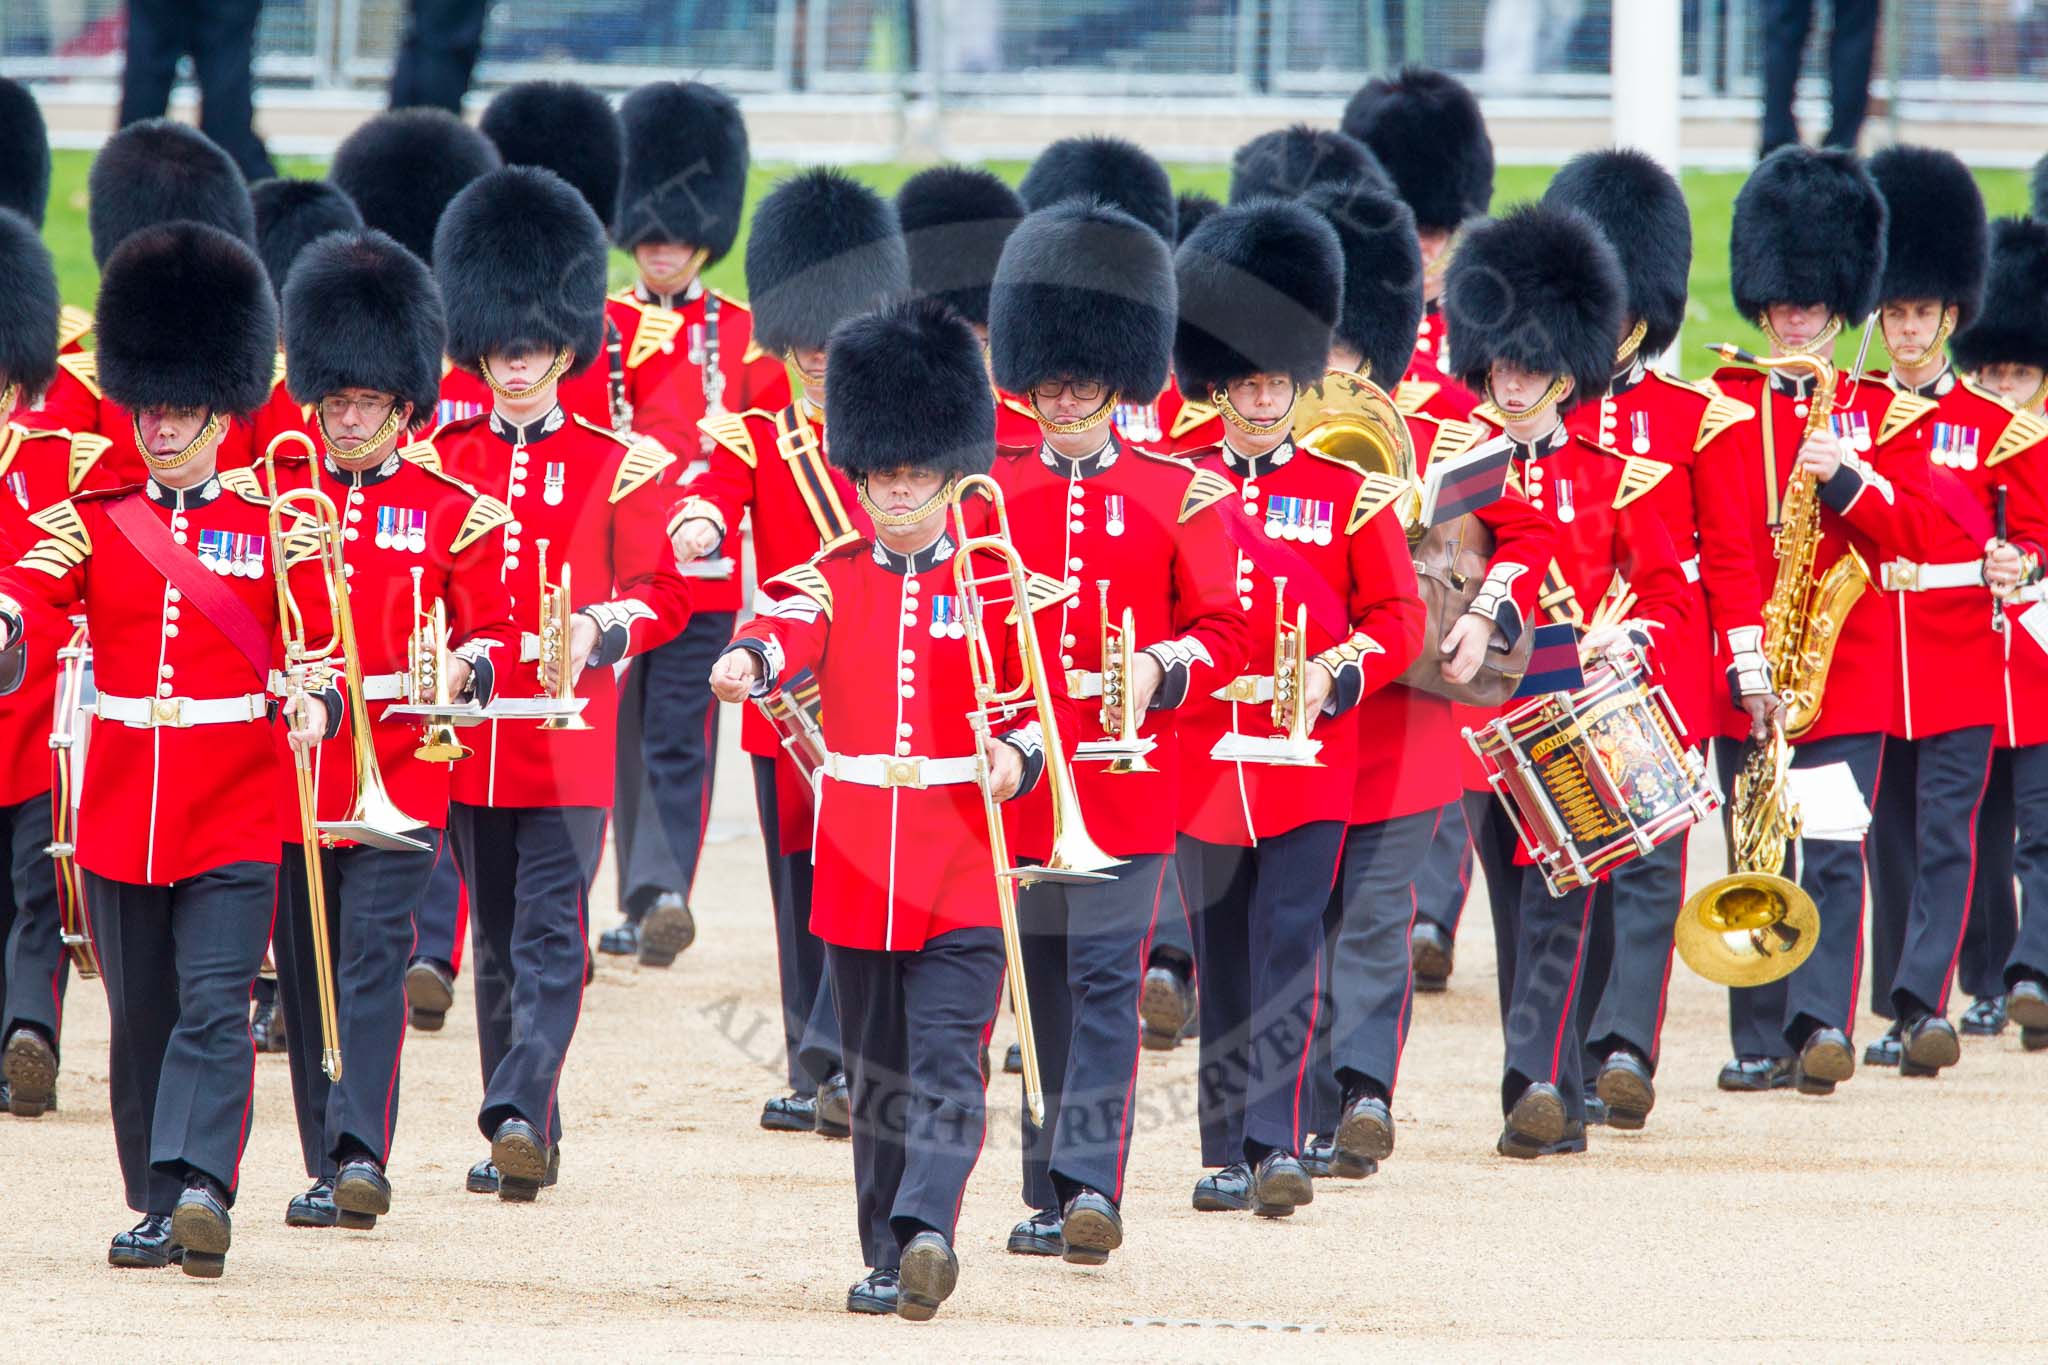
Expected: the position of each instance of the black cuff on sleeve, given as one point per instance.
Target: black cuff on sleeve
(1840, 491)
(613, 638)
(331, 697)
(770, 677)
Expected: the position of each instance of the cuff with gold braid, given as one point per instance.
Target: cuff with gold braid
(1029, 742)
(1346, 662)
(769, 655)
(1495, 602)
(1175, 659)
(614, 622)
(1749, 673)
(697, 509)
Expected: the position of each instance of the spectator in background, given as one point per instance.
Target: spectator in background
(1850, 46)
(220, 36)
(438, 53)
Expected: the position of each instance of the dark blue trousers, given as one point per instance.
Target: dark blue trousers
(1445, 874)
(667, 757)
(810, 1024)
(1623, 1005)
(34, 966)
(1923, 862)
(2029, 956)
(437, 920)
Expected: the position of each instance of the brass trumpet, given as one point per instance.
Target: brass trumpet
(1126, 753)
(555, 611)
(426, 677)
(1292, 747)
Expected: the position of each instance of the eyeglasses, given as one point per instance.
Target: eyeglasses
(372, 409)
(1085, 390)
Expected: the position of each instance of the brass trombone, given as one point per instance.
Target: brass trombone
(555, 624)
(1074, 857)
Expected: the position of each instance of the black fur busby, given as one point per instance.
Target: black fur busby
(686, 168)
(824, 247)
(2012, 327)
(1260, 288)
(1084, 291)
(1382, 275)
(1106, 168)
(24, 153)
(1540, 288)
(1289, 162)
(1640, 209)
(521, 262)
(909, 386)
(1190, 209)
(186, 319)
(290, 214)
(1809, 227)
(363, 312)
(28, 308)
(1937, 236)
(563, 127)
(1428, 133)
(159, 170)
(955, 220)
(403, 168)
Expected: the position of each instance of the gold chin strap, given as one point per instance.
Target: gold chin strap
(803, 378)
(1932, 348)
(896, 521)
(208, 434)
(1550, 396)
(1079, 424)
(376, 439)
(7, 397)
(1221, 401)
(1821, 345)
(563, 355)
(1630, 344)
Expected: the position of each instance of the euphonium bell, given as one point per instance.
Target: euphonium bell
(1348, 417)
(1753, 926)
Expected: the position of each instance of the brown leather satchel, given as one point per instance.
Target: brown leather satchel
(1450, 568)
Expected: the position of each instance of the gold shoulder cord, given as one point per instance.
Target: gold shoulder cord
(1772, 514)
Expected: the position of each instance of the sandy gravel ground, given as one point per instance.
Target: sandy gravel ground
(1897, 1220)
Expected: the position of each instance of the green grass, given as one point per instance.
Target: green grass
(1711, 315)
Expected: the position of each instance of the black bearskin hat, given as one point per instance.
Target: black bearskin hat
(1541, 289)
(1288, 162)
(824, 247)
(1639, 208)
(955, 220)
(363, 312)
(686, 168)
(403, 168)
(1106, 168)
(24, 153)
(186, 319)
(1382, 275)
(909, 386)
(1937, 237)
(159, 170)
(290, 214)
(28, 308)
(1428, 133)
(563, 127)
(2012, 328)
(1084, 291)
(1809, 228)
(521, 261)
(1261, 286)
(1190, 209)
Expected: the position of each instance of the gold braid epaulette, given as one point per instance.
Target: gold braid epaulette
(1904, 410)
(1638, 477)
(1376, 493)
(65, 543)
(808, 580)
(485, 515)
(1205, 490)
(729, 429)
(84, 366)
(244, 484)
(1193, 412)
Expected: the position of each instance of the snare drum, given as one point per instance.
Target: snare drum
(1594, 777)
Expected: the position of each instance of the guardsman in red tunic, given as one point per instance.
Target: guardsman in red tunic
(522, 270)
(2005, 349)
(1262, 818)
(823, 248)
(1685, 461)
(1949, 694)
(176, 582)
(1083, 314)
(1535, 300)
(1806, 251)
(905, 900)
(689, 355)
(365, 333)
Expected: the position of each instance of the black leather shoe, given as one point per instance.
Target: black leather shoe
(1090, 1228)
(2027, 1005)
(668, 929)
(483, 1177)
(1038, 1235)
(926, 1278)
(1825, 1062)
(1013, 1061)
(146, 1246)
(875, 1294)
(1756, 1073)
(621, 940)
(267, 1028)
(1625, 1088)
(790, 1114)
(1320, 1158)
(1537, 1118)
(1365, 1133)
(313, 1209)
(1225, 1191)
(834, 1111)
(1986, 1017)
(521, 1155)
(201, 1225)
(362, 1194)
(1166, 1004)
(429, 993)
(1280, 1186)
(30, 1067)
(1431, 956)
(1522, 1148)
(1929, 1043)
(1883, 1051)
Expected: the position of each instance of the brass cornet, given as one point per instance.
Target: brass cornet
(1127, 751)
(554, 634)
(1292, 747)
(426, 677)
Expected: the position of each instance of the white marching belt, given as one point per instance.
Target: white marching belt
(529, 647)
(2033, 592)
(179, 713)
(376, 687)
(1903, 575)
(1692, 569)
(1081, 684)
(885, 770)
(1246, 687)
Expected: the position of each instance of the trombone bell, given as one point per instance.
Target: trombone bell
(1747, 929)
